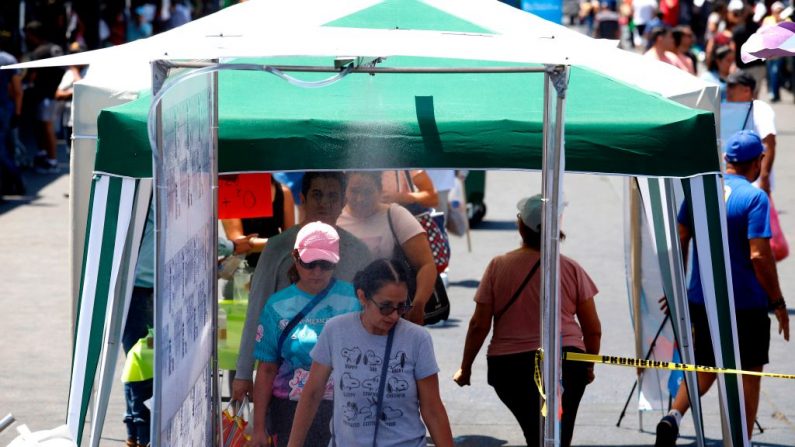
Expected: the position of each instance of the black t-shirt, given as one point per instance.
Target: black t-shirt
(740, 35)
(48, 78)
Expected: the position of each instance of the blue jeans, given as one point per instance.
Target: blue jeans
(774, 78)
(137, 418)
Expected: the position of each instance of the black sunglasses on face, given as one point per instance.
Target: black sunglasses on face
(324, 265)
(387, 309)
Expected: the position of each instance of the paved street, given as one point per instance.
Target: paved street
(35, 349)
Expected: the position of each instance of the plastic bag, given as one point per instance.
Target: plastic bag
(57, 437)
(457, 219)
(234, 425)
(778, 243)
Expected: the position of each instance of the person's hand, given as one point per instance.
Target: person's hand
(259, 438)
(244, 244)
(664, 305)
(417, 315)
(783, 321)
(591, 374)
(462, 376)
(242, 388)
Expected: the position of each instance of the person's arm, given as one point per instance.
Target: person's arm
(424, 195)
(15, 92)
(419, 255)
(263, 390)
(479, 327)
(244, 243)
(433, 412)
(263, 284)
(591, 330)
(684, 242)
(289, 208)
(765, 270)
(767, 162)
(310, 399)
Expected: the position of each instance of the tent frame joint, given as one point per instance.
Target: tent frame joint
(559, 77)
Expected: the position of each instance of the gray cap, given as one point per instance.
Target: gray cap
(530, 211)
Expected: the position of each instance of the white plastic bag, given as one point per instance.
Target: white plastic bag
(457, 220)
(57, 437)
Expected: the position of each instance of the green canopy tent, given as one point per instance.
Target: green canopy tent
(430, 120)
(400, 120)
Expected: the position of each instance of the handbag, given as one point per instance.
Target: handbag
(438, 306)
(778, 242)
(234, 425)
(433, 224)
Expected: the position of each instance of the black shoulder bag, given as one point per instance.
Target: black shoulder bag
(438, 306)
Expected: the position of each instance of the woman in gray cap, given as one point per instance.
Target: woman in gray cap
(509, 296)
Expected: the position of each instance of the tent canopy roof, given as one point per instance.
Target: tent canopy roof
(428, 120)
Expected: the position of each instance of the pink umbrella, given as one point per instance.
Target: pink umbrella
(769, 42)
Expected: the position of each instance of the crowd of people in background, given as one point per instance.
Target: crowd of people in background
(35, 104)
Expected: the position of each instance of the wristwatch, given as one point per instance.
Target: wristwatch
(777, 304)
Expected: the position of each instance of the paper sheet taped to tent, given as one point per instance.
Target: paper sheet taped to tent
(184, 275)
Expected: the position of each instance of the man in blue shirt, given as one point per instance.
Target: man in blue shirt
(754, 281)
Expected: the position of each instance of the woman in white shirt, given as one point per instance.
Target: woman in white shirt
(367, 218)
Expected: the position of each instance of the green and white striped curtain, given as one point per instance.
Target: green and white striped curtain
(115, 226)
(704, 196)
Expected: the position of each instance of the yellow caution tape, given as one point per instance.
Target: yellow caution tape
(654, 364)
(540, 381)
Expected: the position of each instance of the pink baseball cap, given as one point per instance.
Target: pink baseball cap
(317, 241)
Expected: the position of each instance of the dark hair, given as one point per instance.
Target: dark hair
(718, 53)
(309, 177)
(379, 273)
(375, 176)
(656, 33)
(678, 32)
(532, 238)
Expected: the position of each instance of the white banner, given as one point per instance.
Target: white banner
(184, 275)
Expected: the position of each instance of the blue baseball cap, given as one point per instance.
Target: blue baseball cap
(743, 146)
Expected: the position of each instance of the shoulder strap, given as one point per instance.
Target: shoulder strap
(392, 229)
(300, 316)
(748, 114)
(516, 294)
(382, 383)
(409, 180)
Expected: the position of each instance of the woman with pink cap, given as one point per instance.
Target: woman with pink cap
(289, 327)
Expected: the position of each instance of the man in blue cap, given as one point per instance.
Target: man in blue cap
(754, 281)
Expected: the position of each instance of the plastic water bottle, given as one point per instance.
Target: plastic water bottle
(241, 282)
(221, 327)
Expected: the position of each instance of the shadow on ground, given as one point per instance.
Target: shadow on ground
(498, 225)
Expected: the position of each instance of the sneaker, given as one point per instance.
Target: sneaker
(47, 166)
(667, 432)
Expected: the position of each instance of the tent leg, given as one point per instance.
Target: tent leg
(553, 166)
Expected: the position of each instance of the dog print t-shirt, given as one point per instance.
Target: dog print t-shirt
(356, 359)
(282, 306)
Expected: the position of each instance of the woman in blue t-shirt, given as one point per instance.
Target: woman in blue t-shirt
(288, 330)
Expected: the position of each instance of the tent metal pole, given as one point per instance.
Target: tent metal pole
(159, 76)
(216, 389)
(369, 69)
(553, 166)
(682, 321)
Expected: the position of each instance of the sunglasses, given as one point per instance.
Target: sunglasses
(386, 309)
(324, 265)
